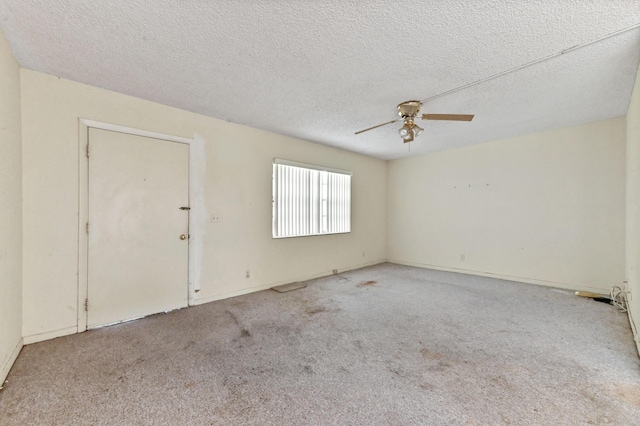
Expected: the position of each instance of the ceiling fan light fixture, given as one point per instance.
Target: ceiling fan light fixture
(409, 130)
(405, 130)
(408, 137)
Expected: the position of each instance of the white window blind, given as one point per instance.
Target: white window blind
(310, 200)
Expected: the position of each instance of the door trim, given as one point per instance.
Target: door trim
(197, 213)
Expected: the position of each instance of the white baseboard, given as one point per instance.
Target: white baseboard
(6, 366)
(634, 329)
(525, 280)
(221, 296)
(34, 338)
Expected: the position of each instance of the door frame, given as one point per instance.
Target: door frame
(197, 212)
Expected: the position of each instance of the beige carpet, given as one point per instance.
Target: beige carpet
(386, 345)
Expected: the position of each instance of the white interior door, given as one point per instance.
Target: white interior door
(138, 235)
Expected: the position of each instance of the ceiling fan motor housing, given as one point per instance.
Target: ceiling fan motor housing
(409, 109)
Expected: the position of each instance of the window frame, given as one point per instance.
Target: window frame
(316, 205)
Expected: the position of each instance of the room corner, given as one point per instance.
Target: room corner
(632, 248)
(10, 210)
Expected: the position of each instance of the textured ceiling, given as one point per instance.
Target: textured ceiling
(321, 70)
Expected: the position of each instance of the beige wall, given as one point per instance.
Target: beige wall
(546, 208)
(10, 210)
(633, 208)
(237, 188)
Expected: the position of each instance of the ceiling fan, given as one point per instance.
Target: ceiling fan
(408, 111)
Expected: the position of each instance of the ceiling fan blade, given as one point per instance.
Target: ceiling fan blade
(379, 125)
(451, 117)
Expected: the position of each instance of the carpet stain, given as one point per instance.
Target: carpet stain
(628, 392)
(502, 382)
(505, 419)
(397, 371)
(436, 359)
(431, 355)
(316, 310)
(427, 387)
(594, 399)
(366, 284)
(243, 331)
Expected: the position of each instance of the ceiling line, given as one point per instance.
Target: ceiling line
(534, 62)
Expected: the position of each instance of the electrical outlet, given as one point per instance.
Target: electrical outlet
(215, 218)
(335, 271)
(248, 274)
(462, 257)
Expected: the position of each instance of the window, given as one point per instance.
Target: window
(310, 200)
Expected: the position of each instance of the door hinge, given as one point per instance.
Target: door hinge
(87, 150)
(86, 305)
(87, 227)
